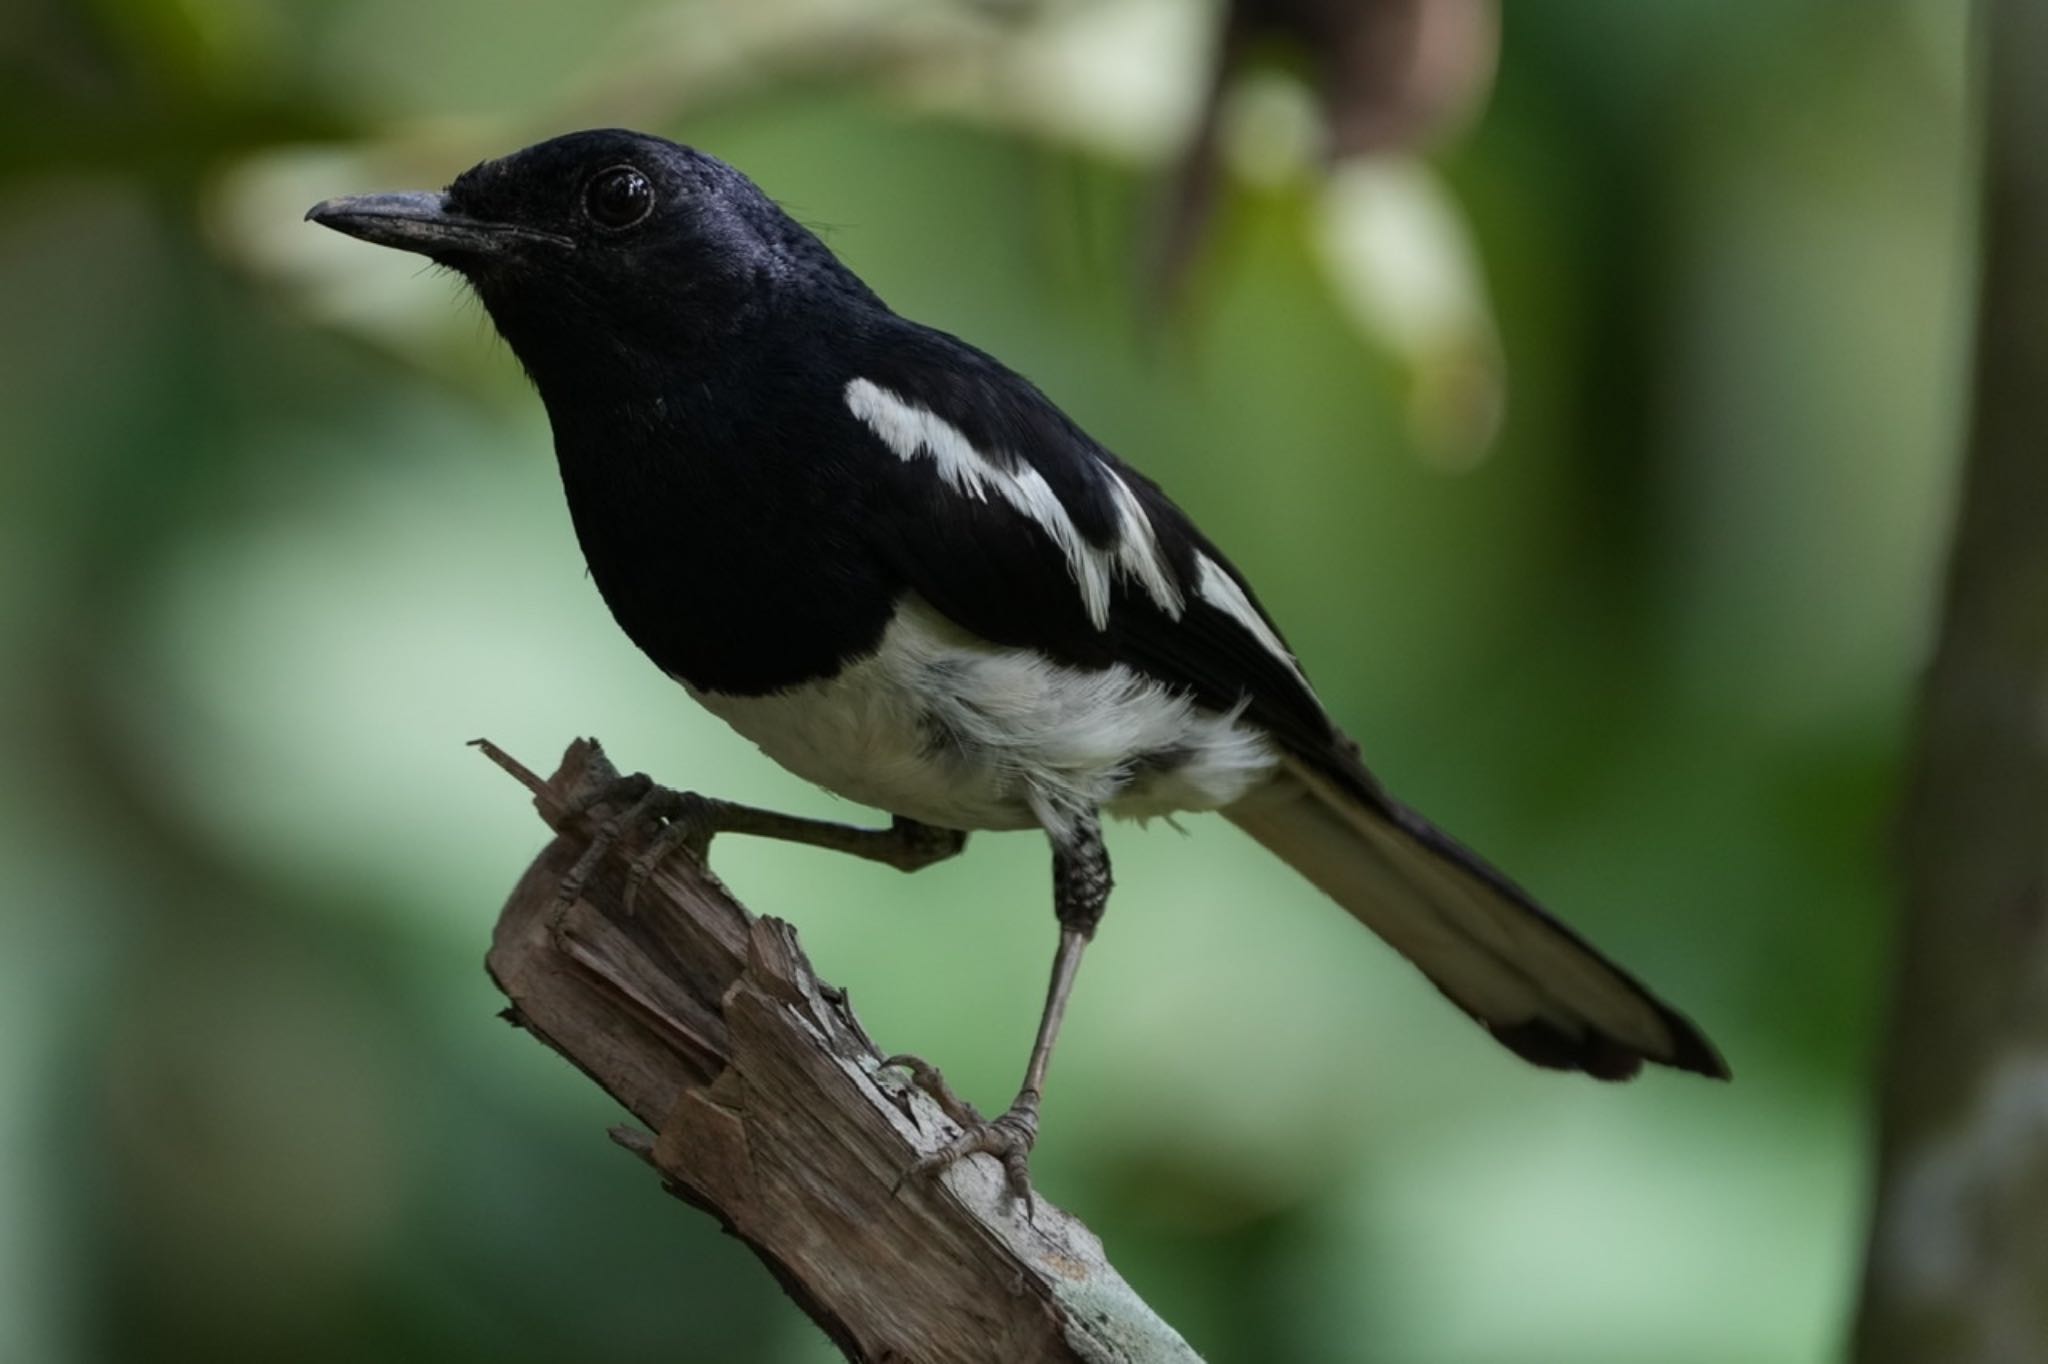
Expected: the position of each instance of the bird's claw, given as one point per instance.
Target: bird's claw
(681, 820)
(689, 821)
(928, 1078)
(1009, 1137)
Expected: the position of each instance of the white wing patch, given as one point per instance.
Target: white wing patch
(1221, 591)
(1137, 549)
(912, 431)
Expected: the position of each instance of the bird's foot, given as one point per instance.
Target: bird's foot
(666, 820)
(1009, 1137)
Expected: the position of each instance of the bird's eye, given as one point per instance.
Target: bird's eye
(619, 197)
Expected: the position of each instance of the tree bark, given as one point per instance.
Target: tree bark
(1957, 1269)
(765, 1104)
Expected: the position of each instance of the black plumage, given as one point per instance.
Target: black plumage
(790, 497)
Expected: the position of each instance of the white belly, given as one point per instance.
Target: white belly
(948, 729)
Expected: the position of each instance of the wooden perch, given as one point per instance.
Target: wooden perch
(770, 1110)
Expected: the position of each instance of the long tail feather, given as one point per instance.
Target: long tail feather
(1530, 981)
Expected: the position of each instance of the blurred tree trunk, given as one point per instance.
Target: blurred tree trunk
(1957, 1270)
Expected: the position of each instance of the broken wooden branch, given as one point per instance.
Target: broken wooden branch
(766, 1105)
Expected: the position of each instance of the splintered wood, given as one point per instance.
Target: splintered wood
(765, 1104)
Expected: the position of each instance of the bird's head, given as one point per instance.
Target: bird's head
(605, 244)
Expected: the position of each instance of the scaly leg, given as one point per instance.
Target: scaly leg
(688, 820)
(1081, 883)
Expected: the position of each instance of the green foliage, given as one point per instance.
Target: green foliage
(278, 532)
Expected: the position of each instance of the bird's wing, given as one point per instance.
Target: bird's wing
(1013, 523)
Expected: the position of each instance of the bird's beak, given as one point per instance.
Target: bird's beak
(420, 221)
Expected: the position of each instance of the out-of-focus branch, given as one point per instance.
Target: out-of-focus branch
(1386, 74)
(1958, 1263)
(762, 1104)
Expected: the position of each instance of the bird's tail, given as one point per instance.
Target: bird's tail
(1528, 980)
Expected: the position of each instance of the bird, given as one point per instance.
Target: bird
(904, 573)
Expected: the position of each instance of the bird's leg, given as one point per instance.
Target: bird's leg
(1081, 883)
(688, 820)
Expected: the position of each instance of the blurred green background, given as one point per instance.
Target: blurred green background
(280, 529)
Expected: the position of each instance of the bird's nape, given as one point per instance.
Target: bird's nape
(906, 575)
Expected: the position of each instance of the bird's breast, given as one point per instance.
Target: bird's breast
(723, 559)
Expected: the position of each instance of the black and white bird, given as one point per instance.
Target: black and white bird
(904, 573)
